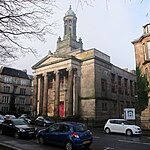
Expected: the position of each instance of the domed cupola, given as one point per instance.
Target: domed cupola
(70, 20)
(70, 12)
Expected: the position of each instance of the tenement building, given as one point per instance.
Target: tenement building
(142, 55)
(77, 82)
(15, 91)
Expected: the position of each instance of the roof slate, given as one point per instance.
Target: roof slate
(14, 72)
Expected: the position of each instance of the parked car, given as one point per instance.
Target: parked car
(25, 115)
(43, 121)
(9, 116)
(1, 119)
(17, 128)
(26, 119)
(68, 134)
(121, 126)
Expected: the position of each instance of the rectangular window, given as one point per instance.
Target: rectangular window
(126, 86)
(22, 91)
(7, 89)
(104, 107)
(113, 88)
(115, 107)
(119, 85)
(22, 101)
(144, 51)
(128, 104)
(21, 108)
(5, 99)
(148, 49)
(104, 85)
(5, 109)
(135, 88)
(131, 88)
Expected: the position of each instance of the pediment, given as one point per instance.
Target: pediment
(49, 59)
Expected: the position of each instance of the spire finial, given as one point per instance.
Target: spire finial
(70, 6)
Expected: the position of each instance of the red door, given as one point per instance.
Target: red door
(61, 109)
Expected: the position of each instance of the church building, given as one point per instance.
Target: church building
(77, 82)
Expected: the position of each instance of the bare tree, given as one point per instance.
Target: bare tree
(25, 19)
(20, 20)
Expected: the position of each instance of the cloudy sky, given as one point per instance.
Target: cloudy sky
(109, 27)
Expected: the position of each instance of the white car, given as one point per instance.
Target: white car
(1, 119)
(121, 126)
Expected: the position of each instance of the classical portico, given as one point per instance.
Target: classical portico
(56, 93)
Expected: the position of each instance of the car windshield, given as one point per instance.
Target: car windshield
(80, 128)
(19, 122)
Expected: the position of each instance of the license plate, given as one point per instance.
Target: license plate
(31, 132)
(86, 142)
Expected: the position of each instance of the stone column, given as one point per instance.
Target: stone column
(57, 93)
(41, 95)
(70, 92)
(45, 95)
(35, 88)
(65, 95)
(75, 94)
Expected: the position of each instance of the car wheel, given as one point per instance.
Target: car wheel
(129, 132)
(1, 132)
(87, 146)
(16, 135)
(107, 130)
(40, 140)
(68, 146)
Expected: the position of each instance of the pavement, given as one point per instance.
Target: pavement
(7, 147)
(97, 130)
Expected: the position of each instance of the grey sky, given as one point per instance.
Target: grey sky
(108, 28)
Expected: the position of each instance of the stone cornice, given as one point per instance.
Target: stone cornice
(141, 38)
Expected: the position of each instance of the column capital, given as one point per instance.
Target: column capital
(45, 74)
(35, 77)
(71, 69)
(56, 72)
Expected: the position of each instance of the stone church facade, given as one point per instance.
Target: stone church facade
(77, 82)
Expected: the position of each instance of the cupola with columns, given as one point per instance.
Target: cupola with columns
(69, 42)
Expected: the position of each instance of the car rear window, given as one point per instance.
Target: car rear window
(19, 122)
(80, 128)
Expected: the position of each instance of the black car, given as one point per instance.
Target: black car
(43, 121)
(26, 119)
(18, 128)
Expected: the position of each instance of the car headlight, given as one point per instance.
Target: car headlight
(21, 130)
